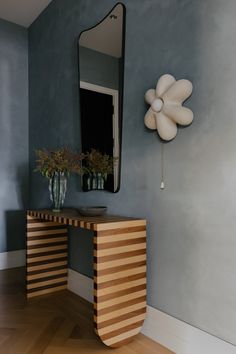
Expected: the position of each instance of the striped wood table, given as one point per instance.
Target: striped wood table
(119, 267)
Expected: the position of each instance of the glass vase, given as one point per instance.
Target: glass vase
(57, 189)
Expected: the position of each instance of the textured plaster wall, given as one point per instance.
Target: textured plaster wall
(191, 225)
(13, 135)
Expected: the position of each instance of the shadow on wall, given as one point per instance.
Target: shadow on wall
(15, 220)
(15, 229)
(22, 186)
(81, 251)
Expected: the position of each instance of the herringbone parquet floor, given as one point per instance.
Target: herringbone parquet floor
(61, 323)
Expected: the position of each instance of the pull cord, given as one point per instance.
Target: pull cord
(162, 186)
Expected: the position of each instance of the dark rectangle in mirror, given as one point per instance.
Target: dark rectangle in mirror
(97, 126)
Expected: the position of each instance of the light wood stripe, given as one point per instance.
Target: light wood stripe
(46, 291)
(43, 271)
(122, 336)
(123, 256)
(117, 320)
(41, 224)
(115, 295)
(47, 266)
(117, 250)
(47, 257)
(119, 224)
(117, 313)
(115, 244)
(120, 275)
(119, 268)
(119, 300)
(120, 237)
(45, 241)
(63, 248)
(126, 230)
(46, 274)
(115, 281)
(121, 330)
(45, 283)
(47, 232)
(120, 287)
(119, 306)
(130, 260)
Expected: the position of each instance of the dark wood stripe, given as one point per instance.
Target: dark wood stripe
(42, 271)
(119, 268)
(119, 306)
(48, 261)
(45, 245)
(114, 257)
(39, 280)
(110, 283)
(125, 230)
(34, 221)
(45, 228)
(121, 318)
(49, 253)
(117, 294)
(46, 287)
(121, 330)
(45, 237)
(115, 244)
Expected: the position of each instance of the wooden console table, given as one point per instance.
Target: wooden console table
(119, 267)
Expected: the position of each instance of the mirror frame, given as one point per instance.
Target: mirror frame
(121, 91)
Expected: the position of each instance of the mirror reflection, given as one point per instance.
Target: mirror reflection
(101, 71)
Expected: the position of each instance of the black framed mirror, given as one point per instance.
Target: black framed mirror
(101, 79)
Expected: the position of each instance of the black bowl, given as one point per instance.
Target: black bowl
(92, 210)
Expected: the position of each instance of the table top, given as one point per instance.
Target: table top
(96, 223)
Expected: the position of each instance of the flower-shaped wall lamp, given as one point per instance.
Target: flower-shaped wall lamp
(166, 109)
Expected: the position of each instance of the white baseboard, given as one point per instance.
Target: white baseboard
(80, 285)
(12, 259)
(173, 334)
(181, 337)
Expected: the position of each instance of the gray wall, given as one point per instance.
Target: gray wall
(191, 225)
(98, 68)
(13, 135)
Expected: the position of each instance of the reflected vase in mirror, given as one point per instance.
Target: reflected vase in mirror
(97, 168)
(95, 181)
(101, 76)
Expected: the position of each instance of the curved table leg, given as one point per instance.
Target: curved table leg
(119, 281)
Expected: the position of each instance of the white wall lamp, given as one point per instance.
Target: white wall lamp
(167, 109)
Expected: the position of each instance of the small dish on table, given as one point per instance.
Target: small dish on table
(92, 210)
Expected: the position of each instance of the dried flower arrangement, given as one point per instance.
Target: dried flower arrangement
(61, 160)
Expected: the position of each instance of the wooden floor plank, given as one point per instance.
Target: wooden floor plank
(59, 323)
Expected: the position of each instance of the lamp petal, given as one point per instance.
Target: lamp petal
(150, 120)
(164, 83)
(166, 128)
(178, 92)
(179, 114)
(150, 96)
